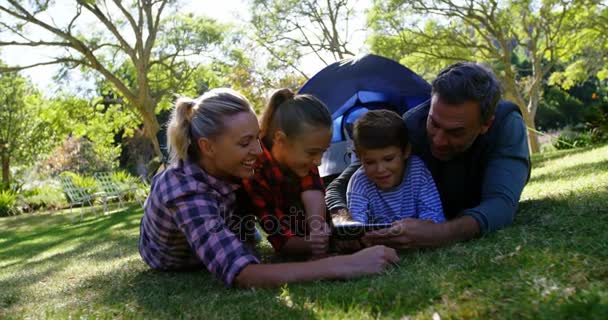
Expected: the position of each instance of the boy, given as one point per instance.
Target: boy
(390, 185)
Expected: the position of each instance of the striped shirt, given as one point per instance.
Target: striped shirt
(185, 224)
(415, 197)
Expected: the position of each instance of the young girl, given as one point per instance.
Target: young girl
(286, 189)
(213, 142)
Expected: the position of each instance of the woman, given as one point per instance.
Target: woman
(213, 142)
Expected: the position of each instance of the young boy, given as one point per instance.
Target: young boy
(390, 185)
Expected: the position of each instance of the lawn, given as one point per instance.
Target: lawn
(551, 264)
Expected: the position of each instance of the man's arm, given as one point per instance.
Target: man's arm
(335, 194)
(506, 174)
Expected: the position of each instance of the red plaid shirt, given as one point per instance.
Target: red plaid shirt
(276, 199)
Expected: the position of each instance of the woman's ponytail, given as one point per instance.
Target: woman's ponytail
(178, 130)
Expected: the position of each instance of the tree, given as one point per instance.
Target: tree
(586, 49)
(140, 53)
(292, 29)
(23, 135)
(496, 32)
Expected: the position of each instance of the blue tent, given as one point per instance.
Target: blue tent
(353, 86)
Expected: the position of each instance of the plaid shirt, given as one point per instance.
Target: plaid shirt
(185, 224)
(276, 199)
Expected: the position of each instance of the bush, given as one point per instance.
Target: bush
(78, 155)
(8, 200)
(134, 186)
(572, 138)
(45, 197)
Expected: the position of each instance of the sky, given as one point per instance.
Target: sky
(232, 11)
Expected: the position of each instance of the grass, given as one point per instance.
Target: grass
(551, 264)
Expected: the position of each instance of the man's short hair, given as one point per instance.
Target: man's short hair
(379, 129)
(468, 81)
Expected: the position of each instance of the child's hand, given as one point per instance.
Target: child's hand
(318, 239)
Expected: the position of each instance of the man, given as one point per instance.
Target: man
(477, 151)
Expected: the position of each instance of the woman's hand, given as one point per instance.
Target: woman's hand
(368, 261)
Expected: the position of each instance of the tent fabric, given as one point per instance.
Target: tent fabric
(353, 86)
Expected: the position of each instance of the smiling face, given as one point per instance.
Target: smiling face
(302, 153)
(452, 129)
(384, 166)
(232, 154)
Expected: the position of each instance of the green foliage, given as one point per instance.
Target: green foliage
(24, 135)
(47, 196)
(8, 201)
(132, 186)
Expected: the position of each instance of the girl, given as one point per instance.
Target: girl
(213, 142)
(286, 189)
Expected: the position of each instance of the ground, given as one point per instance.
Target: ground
(552, 263)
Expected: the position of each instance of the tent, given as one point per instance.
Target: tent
(353, 86)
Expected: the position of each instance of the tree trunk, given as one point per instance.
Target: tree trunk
(532, 107)
(5, 169)
(151, 128)
(513, 95)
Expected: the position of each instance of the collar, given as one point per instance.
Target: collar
(194, 170)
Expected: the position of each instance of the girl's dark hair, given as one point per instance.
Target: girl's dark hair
(290, 112)
(379, 129)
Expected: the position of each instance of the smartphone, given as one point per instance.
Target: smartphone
(355, 230)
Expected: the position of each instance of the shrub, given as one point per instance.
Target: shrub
(134, 186)
(45, 197)
(8, 200)
(572, 138)
(78, 155)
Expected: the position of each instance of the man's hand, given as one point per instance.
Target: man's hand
(407, 234)
(412, 233)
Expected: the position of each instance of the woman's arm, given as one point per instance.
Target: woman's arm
(365, 262)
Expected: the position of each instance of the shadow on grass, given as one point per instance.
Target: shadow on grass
(39, 237)
(577, 171)
(539, 160)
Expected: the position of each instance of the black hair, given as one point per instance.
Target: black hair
(468, 81)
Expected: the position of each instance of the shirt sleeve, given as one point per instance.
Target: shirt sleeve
(312, 181)
(335, 195)
(273, 220)
(505, 177)
(356, 197)
(428, 202)
(220, 250)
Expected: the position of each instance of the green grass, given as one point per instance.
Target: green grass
(551, 264)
